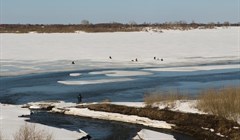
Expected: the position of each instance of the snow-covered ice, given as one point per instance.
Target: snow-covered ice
(177, 48)
(146, 134)
(121, 46)
(194, 68)
(74, 74)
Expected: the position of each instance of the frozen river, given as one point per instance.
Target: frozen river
(125, 84)
(36, 67)
(116, 84)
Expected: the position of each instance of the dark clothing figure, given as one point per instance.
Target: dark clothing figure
(110, 57)
(136, 59)
(154, 58)
(79, 98)
(161, 59)
(73, 62)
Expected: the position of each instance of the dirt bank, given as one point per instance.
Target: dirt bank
(196, 125)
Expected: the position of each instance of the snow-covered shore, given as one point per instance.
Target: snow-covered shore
(11, 123)
(10, 116)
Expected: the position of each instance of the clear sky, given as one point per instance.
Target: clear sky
(124, 11)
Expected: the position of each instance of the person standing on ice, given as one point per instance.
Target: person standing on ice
(79, 98)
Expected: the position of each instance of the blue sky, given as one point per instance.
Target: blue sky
(98, 11)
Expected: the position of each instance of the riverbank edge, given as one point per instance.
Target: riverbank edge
(199, 126)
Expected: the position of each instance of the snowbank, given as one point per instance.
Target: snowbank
(186, 106)
(85, 112)
(130, 104)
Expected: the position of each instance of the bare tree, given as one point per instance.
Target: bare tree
(1, 137)
(226, 24)
(210, 25)
(132, 22)
(30, 132)
(85, 22)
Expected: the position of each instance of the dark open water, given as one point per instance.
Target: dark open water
(44, 86)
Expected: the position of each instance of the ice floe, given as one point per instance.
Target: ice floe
(100, 81)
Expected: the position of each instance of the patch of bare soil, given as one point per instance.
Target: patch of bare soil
(196, 125)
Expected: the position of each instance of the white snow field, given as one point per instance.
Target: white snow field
(35, 52)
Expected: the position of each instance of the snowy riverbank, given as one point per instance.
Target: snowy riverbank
(10, 115)
(11, 122)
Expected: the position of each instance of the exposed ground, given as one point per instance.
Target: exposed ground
(196, 125)
(103, 27)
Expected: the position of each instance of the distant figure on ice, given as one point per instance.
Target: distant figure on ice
(154, 57)
(110, 57)
(136, 59)
(161, 59)
(79, 98)
(73, 62)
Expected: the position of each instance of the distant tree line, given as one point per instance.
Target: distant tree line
(86, 26)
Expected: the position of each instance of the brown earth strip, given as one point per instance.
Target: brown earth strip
(105, 27)
(196, 125)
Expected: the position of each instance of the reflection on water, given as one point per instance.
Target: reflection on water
(97, 129)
